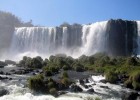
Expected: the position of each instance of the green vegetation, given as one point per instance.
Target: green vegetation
(65, 79)
(134, 80)
(36, 83)
(111, 76)
(123, 69)
(53, 91)
(41, 84)
(91, 98)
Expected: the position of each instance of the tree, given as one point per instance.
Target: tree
(36, 62)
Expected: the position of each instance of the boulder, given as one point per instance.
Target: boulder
(10, 78)
(3, 92)
(90, 90)
(7, 73)
(75, 88)
(2, 78)
(105, 87)
(1, 72)
(86, 80)
(85, 86)
(103, 81)
(81, 81)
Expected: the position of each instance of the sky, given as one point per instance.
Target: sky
(56, 12)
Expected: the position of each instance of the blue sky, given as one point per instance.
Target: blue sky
(55, 12)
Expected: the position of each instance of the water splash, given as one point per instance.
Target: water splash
(46, 41)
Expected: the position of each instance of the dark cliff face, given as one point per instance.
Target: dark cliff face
(74, 35)
(122, 37)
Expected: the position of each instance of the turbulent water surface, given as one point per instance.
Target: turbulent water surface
(18, 90)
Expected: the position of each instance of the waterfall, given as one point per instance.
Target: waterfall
(94, 38)
(72, 40)
(138, 38)
(114, 37)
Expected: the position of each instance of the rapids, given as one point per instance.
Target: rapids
(18, 90)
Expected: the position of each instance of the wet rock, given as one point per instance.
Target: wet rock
(130, 96)
(1, 72)
(85, 86)
(10, 78)
(37, 71)
(86, 80)
(81, 81)
(90, 85)
(61, 86)
(21, 71)
(33, 73)
(62, 92)
(3, 78)
(105, 87)
(12, 70)
(90, 90)
(7, 73)
(103, 81)
(18, 72)
(3, 92)
(75, 88)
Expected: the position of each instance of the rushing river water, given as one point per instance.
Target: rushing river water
(18, 90)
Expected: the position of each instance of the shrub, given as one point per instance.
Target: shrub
(136, 85)
(50, 85)
(65, 81)
(53, 91)
(111, 76)
(78, 67)
(66, 67)
(36, 83)
(45, 62)
(97, 98)
(65, 75)
(48, 73)
(36, 62)
(128, 84)
(131, 61)
(133, 81)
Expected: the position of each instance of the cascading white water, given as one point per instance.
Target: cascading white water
(94, 38)
(65, 36)
(138, 38)
(46, 41)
